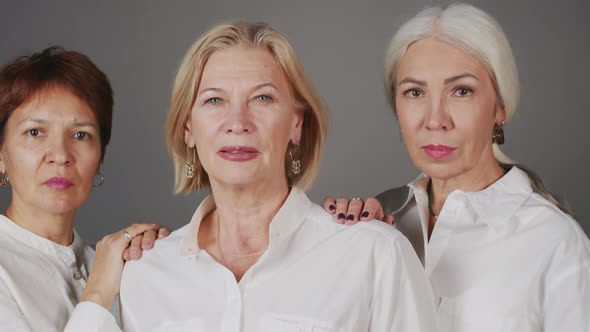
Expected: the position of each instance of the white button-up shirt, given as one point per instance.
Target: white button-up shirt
(501, 259)
(316, 275)
(40, 280)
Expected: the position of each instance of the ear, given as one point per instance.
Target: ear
(296, 132)
(2, 165)
(188, 134)
(500, 115)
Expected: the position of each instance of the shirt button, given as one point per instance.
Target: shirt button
(77, 274)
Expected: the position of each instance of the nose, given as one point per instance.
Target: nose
(59, 151)
(438, 117)
(239, 119)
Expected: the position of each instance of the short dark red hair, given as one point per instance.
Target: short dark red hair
(30, 76)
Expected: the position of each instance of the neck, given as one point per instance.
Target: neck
(237, 232)
(244, 214)
(54, 227)
(473, 180)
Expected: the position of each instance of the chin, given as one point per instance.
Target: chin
(61, 206)
(440, 170)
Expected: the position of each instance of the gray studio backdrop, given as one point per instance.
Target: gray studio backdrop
(139, 45)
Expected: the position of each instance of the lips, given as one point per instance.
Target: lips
(58, 183)
(238, 153)
(438, 151)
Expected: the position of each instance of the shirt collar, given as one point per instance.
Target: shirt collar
(496, 203)
(289, 217)
(66, 253)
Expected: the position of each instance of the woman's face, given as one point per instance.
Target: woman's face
(447, 107)
(51, 152)
(243, 118)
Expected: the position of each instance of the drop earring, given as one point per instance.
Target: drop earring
(295, 161)
(498, 134)
(189, 169)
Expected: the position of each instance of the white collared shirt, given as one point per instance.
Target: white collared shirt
(316, 275)
(501, 259)
(40, 280)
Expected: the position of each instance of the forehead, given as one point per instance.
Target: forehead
(241, 66)
(431, 56)
(55, 104)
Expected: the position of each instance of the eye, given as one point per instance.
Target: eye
(33, 132)
(213, 100)
(264, 98)
(413, 93)
(81, 135)
(462, 91)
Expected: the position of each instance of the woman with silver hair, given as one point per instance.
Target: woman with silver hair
(502, 254)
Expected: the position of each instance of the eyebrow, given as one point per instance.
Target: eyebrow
(447, 80)
(412, 80)
(460, 76)
(74, 123)
(259, 86)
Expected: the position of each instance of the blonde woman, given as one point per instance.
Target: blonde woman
(501, 253)
(258, 255)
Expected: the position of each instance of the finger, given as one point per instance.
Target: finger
(135, 247)
(163, 232)
(126, 255)
(329, 204)
(389, 219)
(354, 210)
(148, 240)
(372, 210)
(341, 208)
(137, 229)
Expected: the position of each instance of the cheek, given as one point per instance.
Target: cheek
(89, 163)
(22, 160)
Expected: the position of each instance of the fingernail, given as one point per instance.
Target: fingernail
(365, 214)
(332, 207)
(350, 217)
(341, 216)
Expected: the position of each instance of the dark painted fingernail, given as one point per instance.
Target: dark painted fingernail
(341, 216)
(332, 207)
(365, 214)
(350, 217)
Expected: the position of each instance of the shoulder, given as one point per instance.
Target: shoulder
(164, 250)
(539, 211)
(370, 231)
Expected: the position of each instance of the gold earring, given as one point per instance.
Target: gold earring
(295, 162)
(498, 134)
(189, 165)
(3, 179)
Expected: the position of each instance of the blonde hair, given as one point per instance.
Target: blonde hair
(244, 34)
(479, 34)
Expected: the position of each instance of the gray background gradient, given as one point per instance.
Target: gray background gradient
(139, 44)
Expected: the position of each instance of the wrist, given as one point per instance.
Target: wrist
(106, 301)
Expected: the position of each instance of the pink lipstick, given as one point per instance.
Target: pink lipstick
(238, 153)
(58, 183)
(438, 151)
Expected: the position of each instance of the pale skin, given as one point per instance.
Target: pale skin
(244, 103)
(445, 96)
(51, 152)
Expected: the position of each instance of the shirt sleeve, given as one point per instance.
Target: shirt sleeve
(402, 295)
(12, 317)
(567, 290)
(91, 317)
